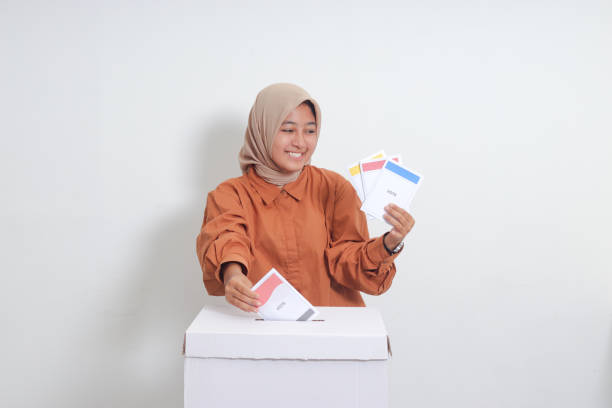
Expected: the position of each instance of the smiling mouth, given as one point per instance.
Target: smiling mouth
(295, 155)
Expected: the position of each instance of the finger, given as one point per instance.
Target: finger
(412, 221)
(399, 222)
(395, 223)
(235, 302)
(399, 213)
(406, 220)
(409, 222)
(240, 304)
(244, 298)
(396, 235)
(243, 306)
(246, 290)
(397, 208)
(244, 285)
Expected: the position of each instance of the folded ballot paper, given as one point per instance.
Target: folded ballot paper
(280, 300)
(395, 184)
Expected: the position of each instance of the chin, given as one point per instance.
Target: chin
(292, 169)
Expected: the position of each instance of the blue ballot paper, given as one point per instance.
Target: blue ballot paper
(395, 184)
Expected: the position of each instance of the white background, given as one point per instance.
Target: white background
(119, 117)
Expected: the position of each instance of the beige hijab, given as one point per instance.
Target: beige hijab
(270, 109)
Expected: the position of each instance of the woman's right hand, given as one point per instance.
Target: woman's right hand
(238, 288)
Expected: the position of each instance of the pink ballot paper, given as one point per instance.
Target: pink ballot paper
(280, 301)
(354, 173)
(370, 170)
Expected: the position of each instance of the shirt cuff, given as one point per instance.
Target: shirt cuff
(232, 258)
(378, 254)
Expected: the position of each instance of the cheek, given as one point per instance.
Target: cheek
(278, 145)
(312, 143)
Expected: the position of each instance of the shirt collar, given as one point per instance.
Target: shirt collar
(268, 192)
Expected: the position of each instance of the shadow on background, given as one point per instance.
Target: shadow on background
(164, 293)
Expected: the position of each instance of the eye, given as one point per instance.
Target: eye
(287, 130)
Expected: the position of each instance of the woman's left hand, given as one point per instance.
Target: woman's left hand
(402, 223)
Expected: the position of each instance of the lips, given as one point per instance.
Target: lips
(295, 155)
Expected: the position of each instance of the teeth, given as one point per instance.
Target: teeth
(296, 155)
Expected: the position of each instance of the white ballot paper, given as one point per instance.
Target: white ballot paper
(395, 184)
(280, 300)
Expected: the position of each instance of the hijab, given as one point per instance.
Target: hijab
(270, 109)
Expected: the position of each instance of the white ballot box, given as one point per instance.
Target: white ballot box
(234, 359)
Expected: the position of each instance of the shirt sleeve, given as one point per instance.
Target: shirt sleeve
(354, 260)
(223, 237)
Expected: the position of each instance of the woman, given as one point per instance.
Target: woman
(286, 214)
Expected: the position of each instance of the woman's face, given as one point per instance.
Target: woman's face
(296, 140)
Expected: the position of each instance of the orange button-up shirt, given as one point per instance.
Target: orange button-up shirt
(311, 231)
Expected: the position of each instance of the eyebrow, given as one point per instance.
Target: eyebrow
(290, 122)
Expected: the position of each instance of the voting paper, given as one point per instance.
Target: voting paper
(354, 173)
(370, 170)
(395, 184)
(280, 300)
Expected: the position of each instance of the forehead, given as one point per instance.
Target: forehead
(301, 114)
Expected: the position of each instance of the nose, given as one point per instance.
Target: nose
(299, 139)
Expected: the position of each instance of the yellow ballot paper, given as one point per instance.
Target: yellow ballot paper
(395, 184)
(280, 300)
